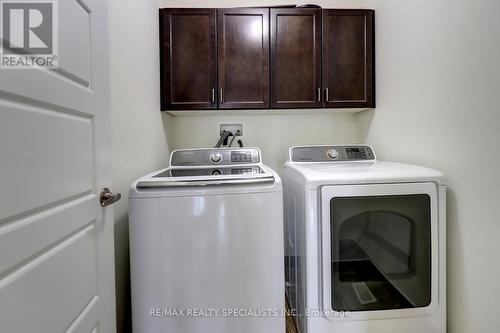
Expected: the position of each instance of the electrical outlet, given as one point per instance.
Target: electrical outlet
(233, 128)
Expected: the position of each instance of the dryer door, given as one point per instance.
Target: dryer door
(379, 257)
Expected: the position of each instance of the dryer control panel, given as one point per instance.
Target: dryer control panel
(214, 156)
(332, 153)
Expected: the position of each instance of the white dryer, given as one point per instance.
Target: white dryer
(206, 245)
(365, 242)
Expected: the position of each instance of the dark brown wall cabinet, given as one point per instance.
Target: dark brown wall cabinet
(348, 58)
(188, 59)
(239, 58)
(243, 36)
(296, 58)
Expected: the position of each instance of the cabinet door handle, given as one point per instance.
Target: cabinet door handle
(327, 97)
(213, 96)
(319, 95)
(221, 96)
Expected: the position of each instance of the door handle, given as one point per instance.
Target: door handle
(221, 96)
(319, 95)
(327, 96)
(213, 96)
(107, 197)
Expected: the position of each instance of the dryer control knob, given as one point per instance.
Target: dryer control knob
(332, 154)
(216, 157)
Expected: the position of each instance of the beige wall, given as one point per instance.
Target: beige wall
(139, 144)
(438, 88)
(265, 3)
(272, 133)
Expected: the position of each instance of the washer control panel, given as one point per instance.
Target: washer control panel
(331, 153)
(215, 156)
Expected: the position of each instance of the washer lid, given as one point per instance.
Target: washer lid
(178, 182)
(190, 177)
(314, 175)
(209, 171)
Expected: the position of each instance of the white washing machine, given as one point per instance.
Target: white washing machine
(365, 242)
(206, 245)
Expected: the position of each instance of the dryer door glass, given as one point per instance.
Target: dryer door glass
(380, 252)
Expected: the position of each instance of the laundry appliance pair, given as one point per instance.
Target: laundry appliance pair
(363, 242)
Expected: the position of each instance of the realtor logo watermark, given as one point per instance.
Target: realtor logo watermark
(29, 34)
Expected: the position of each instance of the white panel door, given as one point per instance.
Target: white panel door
(56, 241)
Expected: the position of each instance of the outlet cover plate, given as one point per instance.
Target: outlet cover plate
(233, 128)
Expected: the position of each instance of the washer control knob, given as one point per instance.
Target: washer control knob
(332, 154)
(216, 173)
(216, 157)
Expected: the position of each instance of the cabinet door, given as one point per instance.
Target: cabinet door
(296, 58)
(348, 58)
(243, 38)
(188, 59)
